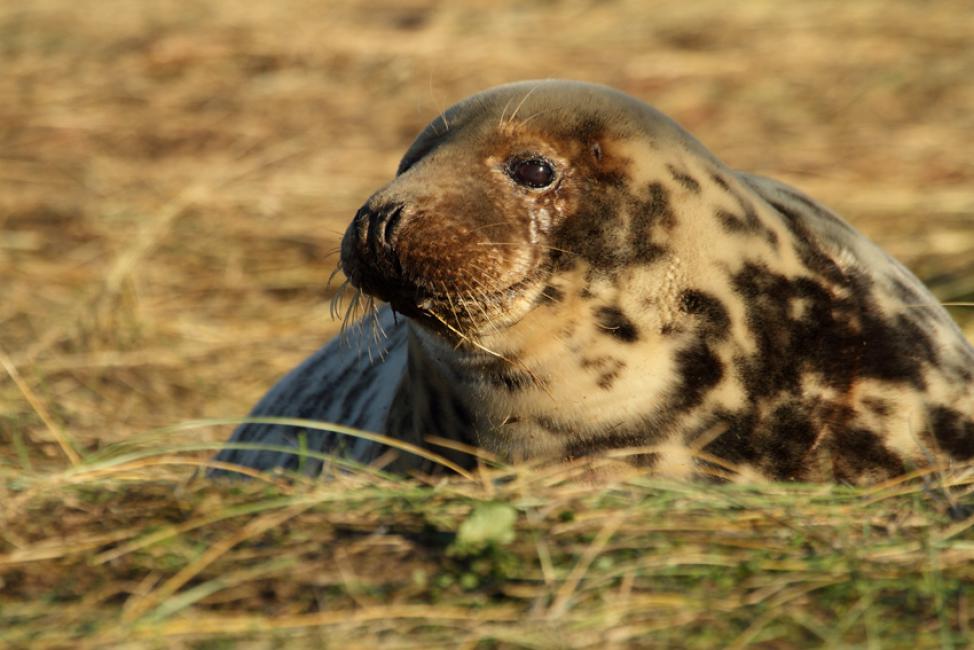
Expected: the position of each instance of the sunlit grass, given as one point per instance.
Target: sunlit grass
(128, 548)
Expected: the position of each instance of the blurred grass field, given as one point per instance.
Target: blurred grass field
(174, 177)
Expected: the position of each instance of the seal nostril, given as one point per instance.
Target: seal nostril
(392, 224)
(377, 227)
(372, 234)
(382, 226)
(361, 220)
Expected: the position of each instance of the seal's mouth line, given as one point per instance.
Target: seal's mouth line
(456, 315)
(426, 298)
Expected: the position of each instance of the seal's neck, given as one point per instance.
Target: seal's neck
(463, 394)
(434, 400)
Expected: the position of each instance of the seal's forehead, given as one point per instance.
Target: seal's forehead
(569, 108)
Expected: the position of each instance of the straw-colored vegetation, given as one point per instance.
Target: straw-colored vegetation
(173, 179)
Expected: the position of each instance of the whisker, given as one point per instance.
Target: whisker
(466, 338)
(480, 304)
(489, 225)
(504, 111)
(377, 334)
(335, 304)
(524, 99)
(331, 276)
(514, 243)
(453, 308)
(534, 115)
(353, 305)
(442, 115)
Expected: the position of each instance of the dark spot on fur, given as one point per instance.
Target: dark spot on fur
(699, 370)
(551, 294)
(717, 178)
(819, 211)
(684, 179)
(656, 210)
(789, 439)
(608, 369)
(953, 431)
(592, 233)
(747, 222)
(839, 338)
(512, 381)
(612, 228)
(895, 350)
(806, 246)
(731, 221)
(589, 128)
(787, 347)
(711, 310)
(496, 372)
(601, 166)
(735, 443)
(859, 453)
(561, 261)
(877, 405)
(645, 216)
(616, 324)
(647, 251)
(669, 329)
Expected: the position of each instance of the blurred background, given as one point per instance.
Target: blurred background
(175, 174)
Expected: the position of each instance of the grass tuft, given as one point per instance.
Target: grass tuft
(115, 552)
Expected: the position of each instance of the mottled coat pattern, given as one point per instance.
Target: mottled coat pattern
(575, 274)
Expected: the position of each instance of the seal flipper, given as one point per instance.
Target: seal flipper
(301, 393)
(341, 383)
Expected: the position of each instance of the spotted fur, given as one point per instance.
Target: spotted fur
(649, 297)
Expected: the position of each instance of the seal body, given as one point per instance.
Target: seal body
(569, 273)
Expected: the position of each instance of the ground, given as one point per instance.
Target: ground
(174, 176)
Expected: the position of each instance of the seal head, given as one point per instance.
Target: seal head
(488, 196)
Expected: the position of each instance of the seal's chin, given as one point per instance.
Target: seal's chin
(455, 314)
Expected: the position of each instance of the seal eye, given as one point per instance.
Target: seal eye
(532, 172)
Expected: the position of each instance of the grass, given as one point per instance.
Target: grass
(130, 547)
(127, 549)
(174, 177)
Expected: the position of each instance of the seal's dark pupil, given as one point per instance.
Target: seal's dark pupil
(533, 173)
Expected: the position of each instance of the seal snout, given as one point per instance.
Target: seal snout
(370, 255)
(380, 238)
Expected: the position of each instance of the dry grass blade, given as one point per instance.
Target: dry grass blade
(137, 607)
(335, 428)
(256, 624)
(567, 589)
(35, 403)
